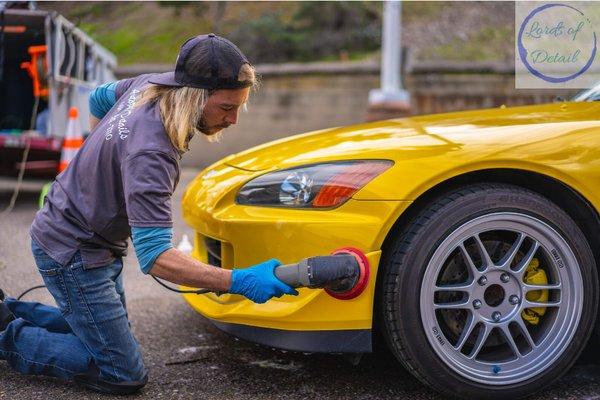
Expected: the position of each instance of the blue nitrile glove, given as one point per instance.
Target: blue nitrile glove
(259, 283)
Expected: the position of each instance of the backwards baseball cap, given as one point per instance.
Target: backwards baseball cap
(206, 62)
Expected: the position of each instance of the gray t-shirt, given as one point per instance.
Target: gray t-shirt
(123, 176)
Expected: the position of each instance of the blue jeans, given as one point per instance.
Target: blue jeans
(88, 331)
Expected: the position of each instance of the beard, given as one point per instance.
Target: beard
(208, 130)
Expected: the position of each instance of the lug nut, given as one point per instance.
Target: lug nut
(482, 281)
(496, 316)
(476, 304)
(514, 299)
(504, 278)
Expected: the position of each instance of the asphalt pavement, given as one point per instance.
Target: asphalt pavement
(188, 358)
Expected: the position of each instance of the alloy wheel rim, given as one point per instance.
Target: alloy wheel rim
(472, 313)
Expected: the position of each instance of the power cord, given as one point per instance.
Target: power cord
(197, 291)
(161, 283)
(30, 290)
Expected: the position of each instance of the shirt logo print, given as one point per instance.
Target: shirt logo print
(119, 118)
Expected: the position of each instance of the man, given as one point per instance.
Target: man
(120, 184)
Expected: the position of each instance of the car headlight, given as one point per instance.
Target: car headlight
(322, 185)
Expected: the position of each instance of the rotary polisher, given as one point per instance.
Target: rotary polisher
(344, 274)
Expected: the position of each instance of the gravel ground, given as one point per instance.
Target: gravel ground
(187, 357)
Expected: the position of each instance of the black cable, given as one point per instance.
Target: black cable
(30, 290)
(197, 291)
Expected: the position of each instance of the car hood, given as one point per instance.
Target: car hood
(423, 136)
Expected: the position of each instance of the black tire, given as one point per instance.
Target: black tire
(406, 257)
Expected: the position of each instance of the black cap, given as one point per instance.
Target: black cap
(206, 62)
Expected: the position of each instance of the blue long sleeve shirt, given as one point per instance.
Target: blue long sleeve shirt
(149, 243)
(102, 99)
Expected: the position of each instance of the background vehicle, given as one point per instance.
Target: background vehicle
(592, 94)
(48, 66)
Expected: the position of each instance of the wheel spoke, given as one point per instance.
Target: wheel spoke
(536, 304)
(511, 340)
(460, 287)
(525, 331)
(528, 288)
(524, 263)
(512, 252)
(455, 305)
(481, 338)
(466, 332)
(473, 271)
(487, 261)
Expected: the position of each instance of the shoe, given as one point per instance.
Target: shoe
(91, 380)
(6, 316)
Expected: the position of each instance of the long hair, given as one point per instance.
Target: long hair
(181, 108)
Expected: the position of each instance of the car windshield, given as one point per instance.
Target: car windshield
(592, 94)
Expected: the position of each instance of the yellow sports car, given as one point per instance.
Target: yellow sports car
(480, 230)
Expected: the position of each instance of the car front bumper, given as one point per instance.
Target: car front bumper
(234, 235)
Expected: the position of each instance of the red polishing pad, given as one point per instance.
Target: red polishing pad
(363, 279)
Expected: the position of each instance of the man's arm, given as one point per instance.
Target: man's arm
(257, 283)
(174, 266)
(156, 255)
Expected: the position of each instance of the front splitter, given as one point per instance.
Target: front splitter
(338, 341)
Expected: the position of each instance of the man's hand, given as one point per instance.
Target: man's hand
(259, 283)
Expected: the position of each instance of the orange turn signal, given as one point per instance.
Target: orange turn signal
(342, 186)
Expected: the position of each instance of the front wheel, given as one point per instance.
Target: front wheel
(490, 292)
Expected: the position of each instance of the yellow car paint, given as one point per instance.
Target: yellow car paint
(561, 141)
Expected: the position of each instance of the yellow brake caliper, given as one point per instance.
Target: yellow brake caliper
(534, 275)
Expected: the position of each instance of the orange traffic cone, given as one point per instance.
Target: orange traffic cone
(73, 140)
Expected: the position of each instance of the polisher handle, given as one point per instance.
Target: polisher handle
(319, 272)
(293, 275)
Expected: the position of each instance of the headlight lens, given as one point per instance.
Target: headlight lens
(296, 189)
(312, 186)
